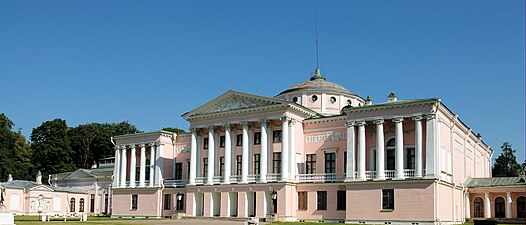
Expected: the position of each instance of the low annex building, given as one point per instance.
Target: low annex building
(314, 152)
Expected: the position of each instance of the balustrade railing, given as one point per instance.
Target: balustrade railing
(253, 178)
(409, 173)
(320, 177)
(200, 180)
(235, 178)
(370, 174)
(217, 179)
(273, 177)
(390, 173)
(175, 183)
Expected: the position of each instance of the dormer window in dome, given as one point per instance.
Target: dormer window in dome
(295, 99)
(332, 100)
(314, 98)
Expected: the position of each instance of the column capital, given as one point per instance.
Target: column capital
(350, 124)
(153, 144)
(284, 118)
(263, 121)
(121, 147)
(418, 118)
(244, 123)
(212, 129)
(398, 120)
(292, 122)
(227, 126)
(131, 146)
(430, 116)
(142, 145)
(193, 129)
(360, 123)
(380, 121)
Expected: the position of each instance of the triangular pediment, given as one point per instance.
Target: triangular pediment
(79, 174)
(40, 188)
(233, 101)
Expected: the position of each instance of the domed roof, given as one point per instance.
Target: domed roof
(318, 83)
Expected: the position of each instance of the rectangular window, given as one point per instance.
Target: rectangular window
(179, 171)
(302, 200)
(137, 172)
(330, 162)
(341, 200)
(179, 203)
(188, 169)
(221, 141)
(221, 165)
(147, 169)
(239, 164)
(390, 159)
(276, 136)
(409, 159)
(205, 143)
(388, 199)
(257, 138)
(256, 163)
(134, 202)
(276, 162)
(344, 162)
(205, 167)
(167, 201)
(92, 203)
(310, 164)
(239, 140)
(322, 200)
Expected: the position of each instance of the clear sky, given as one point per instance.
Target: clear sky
(148, 62)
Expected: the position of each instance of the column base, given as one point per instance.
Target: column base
(379, 178)
(349, 179)
(398, 178)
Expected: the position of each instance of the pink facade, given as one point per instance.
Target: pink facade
(315, 152)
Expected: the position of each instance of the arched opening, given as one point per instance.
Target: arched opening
(521, 207)
(72, 205)
(81, 205)
(500, 207)
(478, 205)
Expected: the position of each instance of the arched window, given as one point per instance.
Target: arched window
(500, 208)
(521, 207)
(390, 154)
(72, 205)
(81, 205)
(478, 205)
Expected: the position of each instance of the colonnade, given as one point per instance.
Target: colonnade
(287, 151)
(487, 205)
(121, 165)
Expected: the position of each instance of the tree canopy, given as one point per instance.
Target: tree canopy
(174, 130)
(14, 151)
(506, 164)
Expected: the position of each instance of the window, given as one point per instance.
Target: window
(276, 162)
(388, 199)
(205, 143)
(390, 150)
(221, 165)
(256, 163)
(72, 205)
(179, 171)
(276, 136)
(137, 172)
(239, 140)
(302, 200)
(205, 167)
(188, 168)
(330, 162)
(341, 200)
(310, 164)
(134, 202)
(106, 203)
(344, 162)
(295, 99)
(221, 141)
(349, 102)
(147, 170)
(500, 211)
(332, 100)
(239, 164)
(167, 201)
(92, 203)
(314, 98)
(322, 200)
(478, 204)
(409, 159)
(521, 207)
(180, 203)
(257, 138)
(81, 205)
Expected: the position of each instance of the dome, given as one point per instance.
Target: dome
(318, 83)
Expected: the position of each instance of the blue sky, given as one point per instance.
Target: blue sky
(148, 62)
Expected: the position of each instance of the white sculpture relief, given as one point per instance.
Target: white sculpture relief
(336, 136)
(180, 149)
(236, 103)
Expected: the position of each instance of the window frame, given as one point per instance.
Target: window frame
(329, 166)
(388, 194)
(256, 164)
(205, 167)
(178, 175)
(341, 200)
(167, 200)
(222, 141)
(72, 205)
(221, 165)
(81, 205)
(310, 163)
(205, 143)
(239, 140)
(321, 200)
(277, 136)
(257, 138)
(134, 202)
(239, 164)
(276, 162)
(303, 198)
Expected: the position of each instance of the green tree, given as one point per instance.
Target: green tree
(81, 138)
(174, 130)
(51, 148)
(14, 152)
(506, 164)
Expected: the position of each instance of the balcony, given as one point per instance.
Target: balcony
(175, 183)
(273, 177)
(253, 178)
(320, 177)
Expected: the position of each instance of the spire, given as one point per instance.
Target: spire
(317, 75)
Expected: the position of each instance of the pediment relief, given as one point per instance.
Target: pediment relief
(236, 103)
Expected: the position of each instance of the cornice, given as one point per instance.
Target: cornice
(326, 120)
(161, 133)
(401, 104)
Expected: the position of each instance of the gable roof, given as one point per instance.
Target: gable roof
(32, 185)
(494, 182)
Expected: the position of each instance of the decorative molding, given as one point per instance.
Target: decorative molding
(380, 121)
(236, 103)
(398, 120)
(360, 123)
(184, 148)
(418, 118)
(327, 137)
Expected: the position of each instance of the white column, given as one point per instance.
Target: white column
(431, 147)
(399, 148)
(116, 167)
(418, 146)
(133, 165)
(292, 149)
(263, 152)
(284, 149)
(211, 148)
(487, 206)
(123, 167)
(193, 157)
(159, 164)
(228, 155)
(509, 207)
(380, 151)
(467, 206)
(152, 165)
(142, 168)
(361, 150)
(351, 143)
(244, 163)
